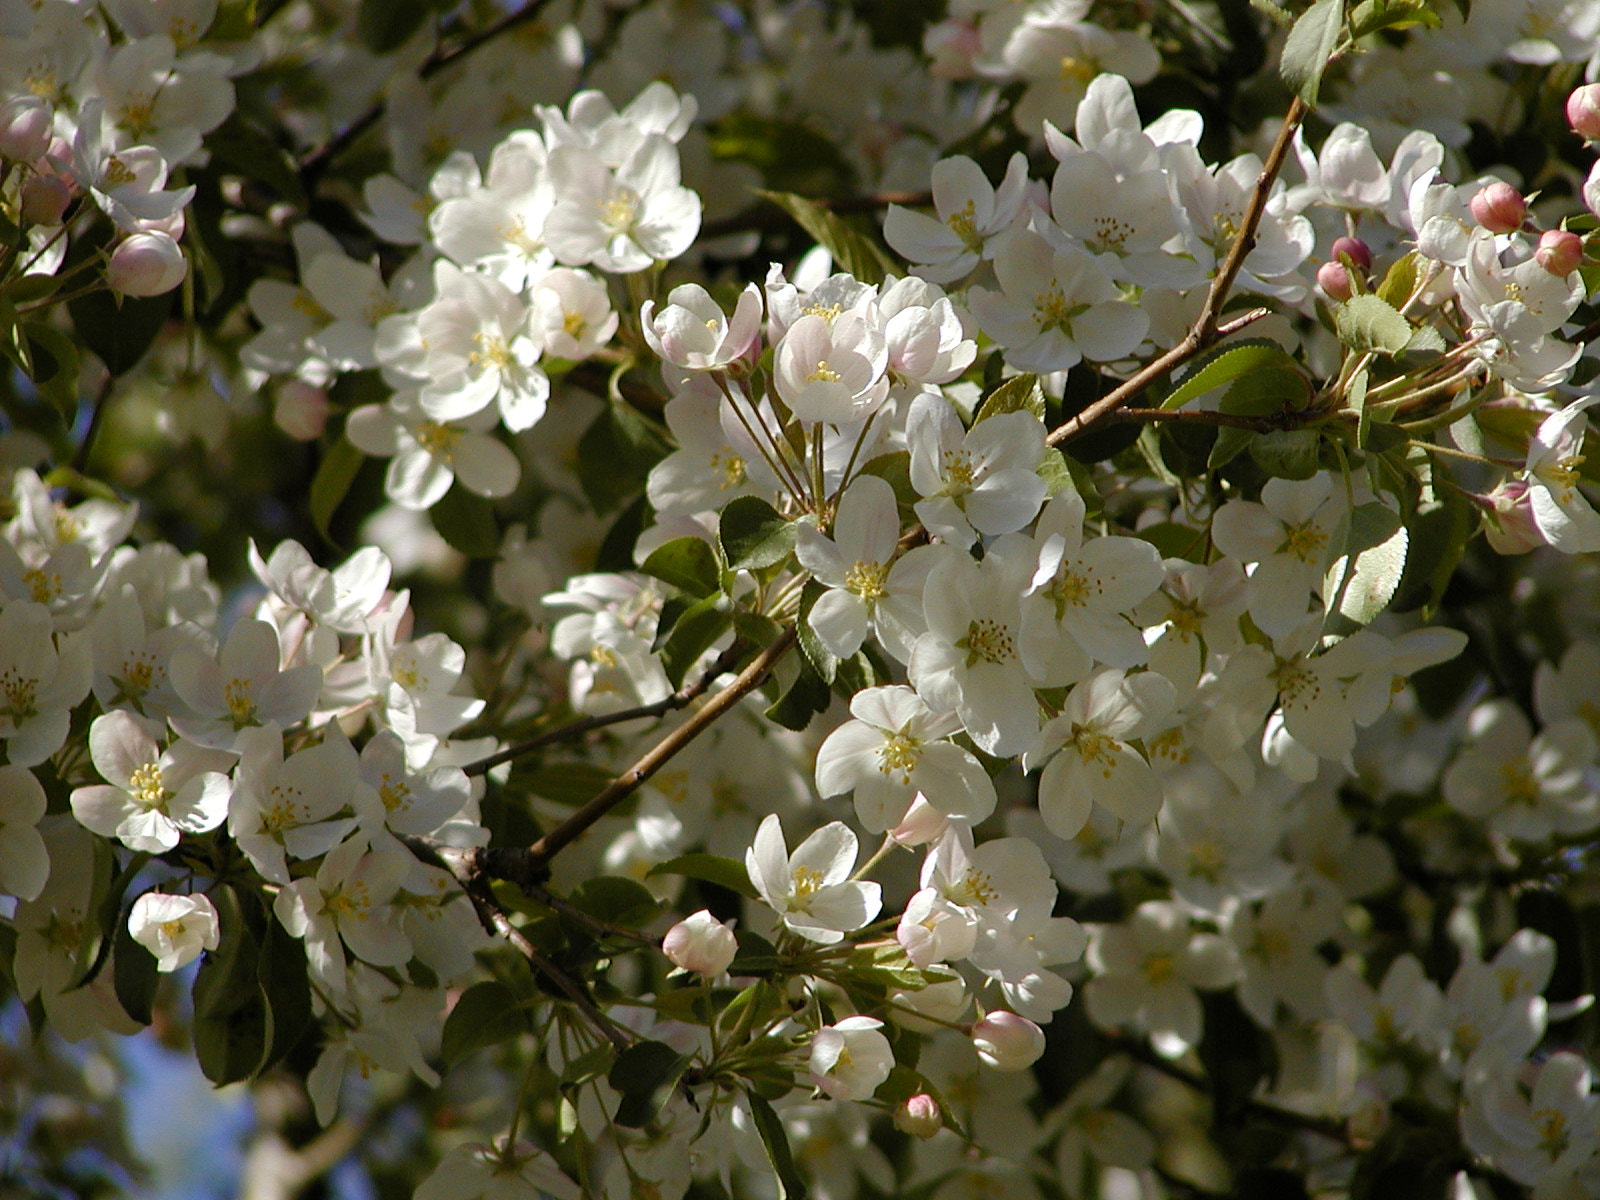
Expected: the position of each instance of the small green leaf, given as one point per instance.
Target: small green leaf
(1228, 364)
(120, 333)
(645, 1073)
(569, 783)
(386, 25)
(1361, 580)
(134, 974)
(1439, 536)
(55, 365)
(487, 1014)
(1372, 16)
(1287, 454)
(615, 900)
(822, 660)
(1358, 405)
(615, 455)
(852, 250)
(896, 470)
(1021, 393)
(753, 535)
(688, 564)
(694, 632)
(806, 696)
(466, 520)
(1400, 281)
(711, 868)
(282, 976)
(239, 147)
(329, 486)
(1309, 46)
(775, 1140)
(1366, 323)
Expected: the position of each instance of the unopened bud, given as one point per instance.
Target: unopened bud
(1583, 112)
(1354, 249)
(1499, 208)
(700, 943)
(1511, 527)
(1334, 281)
(25, 128)
(1560, 251)
(919, 1116)
(300, 410)
(146, 264)
(923, 823)
(1008, 1042)
(44, 199)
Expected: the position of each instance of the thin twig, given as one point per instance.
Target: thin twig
(1196, 416)
(678, 699)
(1206, 330)
(573, 990)
(314, 163)
(624, 785)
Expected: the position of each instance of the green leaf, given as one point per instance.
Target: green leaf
(1358, 405)
(896, 470)
(1366, 323)
(645, 1073)
(615, 900)
(28, 288)
(55, 365)
(1228, 364)
(822, 660)
(1175, 541)
(282, 976)
(1371, 16)
(852, 250)
(694, 632)
(236, 21)
(615, 455)
(729, 873)
(231, 1018)
(120, 333)
(569, 783)
(1400, 281)
(688, 564)
(1309, 46)
(775, 1141)
(1021, 393)
(466, 520)
(1287, 454)
(386, 25)
(805, 697)
(487, 1014)
(335, 473)
(239, 147)
(1439, 535)
(134, 974)
(1361, 580)
(753, 535)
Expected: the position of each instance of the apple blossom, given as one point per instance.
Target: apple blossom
(176, 929)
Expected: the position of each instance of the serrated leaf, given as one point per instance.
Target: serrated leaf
(1400, 281)
(805, 697)
(1226, 448)
(1021, 393)
(1440, 534)
(822, 660)
(645, 1073)
(1360, 581)
(1372, 16)
(775, 1141)
(487, 1014)
(1358, 405)
(753, 534)
(1366, 323)
(729, 873)
(1287, 454)
(615, 900)
(329, 486)
(688, 564)
(694, 632)
(467, 521)
(1309, 46)
(1228, 364)
(852, 250)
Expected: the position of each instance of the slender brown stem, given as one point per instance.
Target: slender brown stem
(1206, 329)
(1195, 416)
(624, 785)
(679, 699)
(569, 986)
(314, 163)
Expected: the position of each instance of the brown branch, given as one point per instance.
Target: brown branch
(1206, 329)
(1195, 416)
(569, 986)
(678, 699)
(315, 162)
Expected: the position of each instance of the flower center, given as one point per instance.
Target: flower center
(867, 580)
(147, 787)
(975, 888)
(964, 225)
(987, 641)
(438, 440)
(1304, 541)
(823, 373)
(241, 703)
(900, 753)
(620, 210)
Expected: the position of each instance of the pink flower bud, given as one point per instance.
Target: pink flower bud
(44, 199)
(1511, 528)
(146, 264)
(1354, 249)
(923, 823)
(1583, 112)
(25, 128)
(1008, 1042)
(300, 410)
(1499, 208)
(700, 943)
(919, 1116)
(1334, 281)
(1560, 251)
